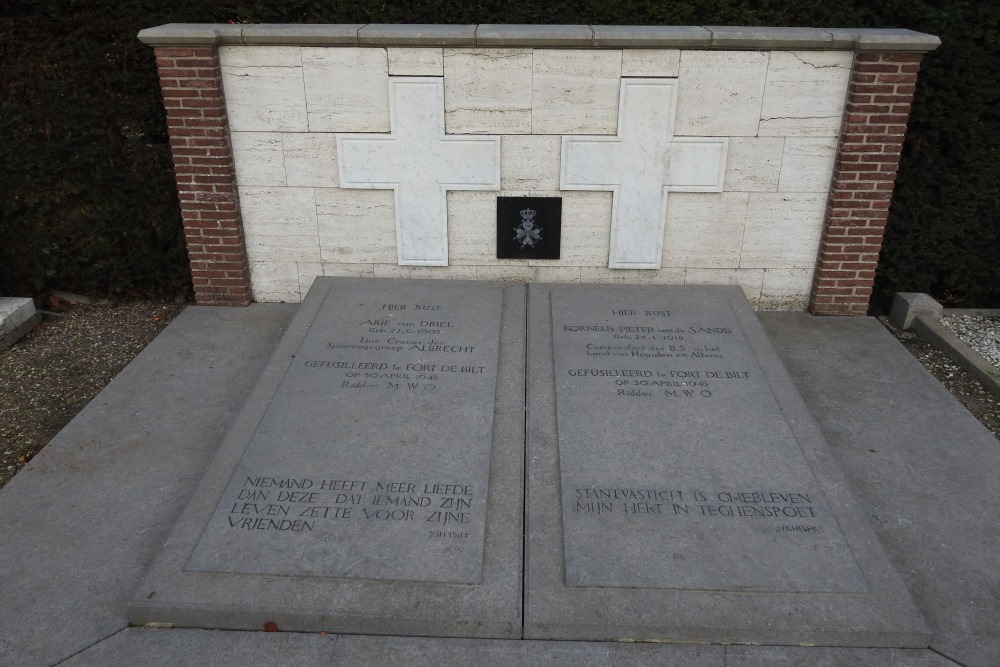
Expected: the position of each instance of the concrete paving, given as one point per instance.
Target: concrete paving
(921, 465)
(82, 522)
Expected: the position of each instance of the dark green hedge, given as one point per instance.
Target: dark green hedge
(87, 200)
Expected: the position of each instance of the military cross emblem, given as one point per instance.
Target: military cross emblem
(529, 227)
(527, 233)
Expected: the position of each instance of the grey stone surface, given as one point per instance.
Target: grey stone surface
(698, 562)
(534, 35)
(801, 656)
(184, 647)
(83, 520)
(843, 38)
(677, 468)
(379, 416)
(184, 34)
(381, 429)
(420, 652)
(921, 465)
(340, 34)
(417, 35)
(180, 647)
(877, 39)
(17, 317)
(741, 37)
(582, 36)
(651, 36)
(907, 305)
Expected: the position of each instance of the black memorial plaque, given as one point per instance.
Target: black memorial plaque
(528, 227)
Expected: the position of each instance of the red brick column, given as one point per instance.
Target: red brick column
(878, 107)
(191, 80)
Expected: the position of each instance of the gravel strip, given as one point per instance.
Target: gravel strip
(983, 405)
(48, 376)
(979, 332)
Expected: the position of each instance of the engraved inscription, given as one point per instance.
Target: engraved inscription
(378, 439)
(671, 442)
(268, 503)
(675, 502)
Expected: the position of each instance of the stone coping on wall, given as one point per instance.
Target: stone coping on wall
(564, 36)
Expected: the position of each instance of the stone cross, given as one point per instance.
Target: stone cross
(639, 166)
(420, 164)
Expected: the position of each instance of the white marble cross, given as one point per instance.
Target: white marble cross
(640, 165)
(420, 164)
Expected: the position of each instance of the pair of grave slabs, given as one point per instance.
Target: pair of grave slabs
(469, 459)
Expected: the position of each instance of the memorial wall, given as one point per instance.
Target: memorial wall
(763, 158)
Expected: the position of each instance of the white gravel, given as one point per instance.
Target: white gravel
(979, 332)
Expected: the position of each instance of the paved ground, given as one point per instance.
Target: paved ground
(82, 521)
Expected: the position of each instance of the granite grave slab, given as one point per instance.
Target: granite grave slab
(374, 481)
(679, 490)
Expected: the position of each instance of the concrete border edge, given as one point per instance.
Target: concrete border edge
(935, 333)
(922, 313)
(599, 37)
(907, 305)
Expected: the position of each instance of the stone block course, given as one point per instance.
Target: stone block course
(651, 62)
(534, 35)
(529, 163)
(356, 226)
(737, 37)
(804, 95)
(698, 241)
(346, 90)
(488, 91)
(264, 88)
(575, 92)
(417, 35)
(596, 36)
(616, 36)
(754, 164)
(305, 35)
(414, 61)
(720, 93)
(807, 164)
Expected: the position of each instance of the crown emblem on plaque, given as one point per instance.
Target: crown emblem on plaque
(527, 233)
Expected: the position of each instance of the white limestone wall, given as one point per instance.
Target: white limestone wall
(780, 110)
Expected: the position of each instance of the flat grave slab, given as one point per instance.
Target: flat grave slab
(679, 489)
(373, 483)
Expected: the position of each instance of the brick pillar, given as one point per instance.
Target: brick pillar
(878, 107)
(191, 80)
